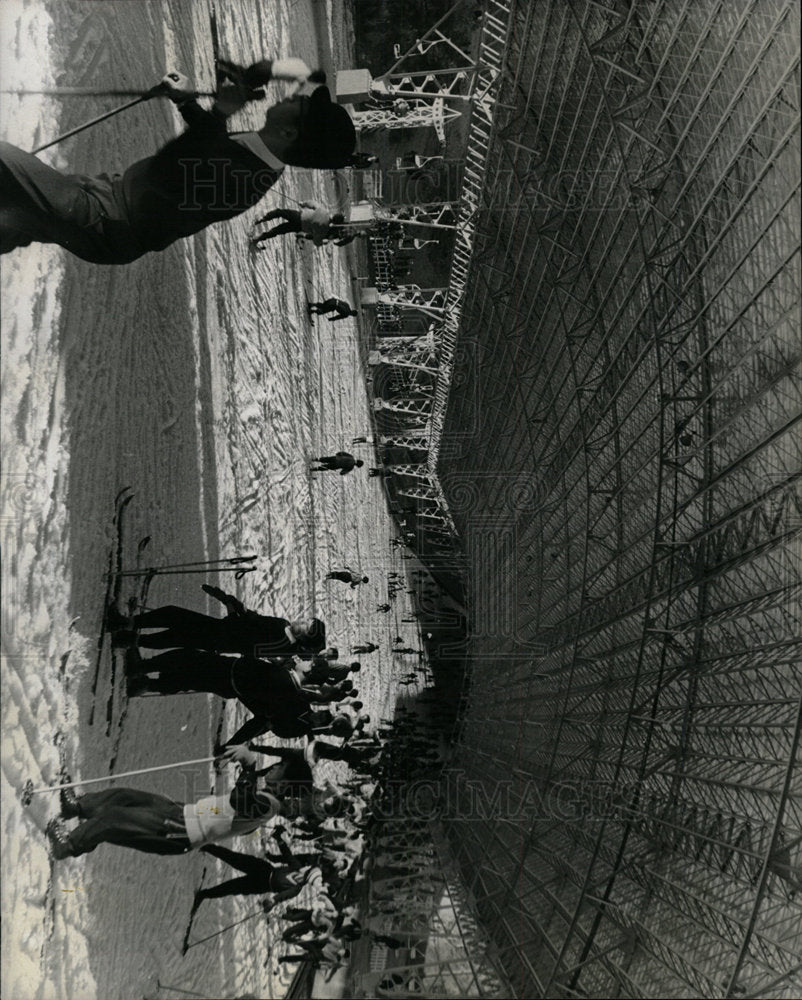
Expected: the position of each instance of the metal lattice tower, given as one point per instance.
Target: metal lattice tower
(428, 97)
(429, 215)
(418, 359)
(415, 438)
(409, 114)
(388, 345)
(426, 494)
(420, 471)
(430, 301)
(624, 469)
(473, 86)
(415, 408)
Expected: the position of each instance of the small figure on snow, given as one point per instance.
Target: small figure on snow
(332, 305)
(347, 575)
(343, 461)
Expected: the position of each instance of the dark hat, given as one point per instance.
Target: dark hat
(328, 136)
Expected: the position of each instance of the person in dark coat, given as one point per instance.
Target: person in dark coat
(241, 631)
(347, 575)
(338, 306)
(278, 698)
(321, 671)
(343, 461)
(203, 176)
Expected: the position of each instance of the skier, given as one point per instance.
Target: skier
(241, 631)
(343, 460)
(312, 221)
(260, 876)
(338, 306)
(203, 176)
(365, 647)
(155, 824)
(347, 575)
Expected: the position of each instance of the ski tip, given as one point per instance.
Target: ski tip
(143, 543)
(122, 502)
(121, 493)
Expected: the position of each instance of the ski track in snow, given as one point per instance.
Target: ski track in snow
(194, 376)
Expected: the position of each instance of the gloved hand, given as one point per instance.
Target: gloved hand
(230, 99)
(237, 755)
(260, 73)
(177, 86)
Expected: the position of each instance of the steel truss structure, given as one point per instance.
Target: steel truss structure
(432, 95)
(412, 114)
(623, 463)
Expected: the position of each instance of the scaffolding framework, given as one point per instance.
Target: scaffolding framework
(624, 470)
(407, 113)
(472, 85)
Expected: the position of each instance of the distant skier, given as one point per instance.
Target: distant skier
(347, 575)
(338, 306)
(365, 647)
(313, 220)
(260, 876)
(343, 461)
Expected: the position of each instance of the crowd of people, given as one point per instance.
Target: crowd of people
(282, 671)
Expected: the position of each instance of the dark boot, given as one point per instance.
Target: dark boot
(115, 619)
(136, 685)
(133, 662)
(123, 637)
(70, 807)
(60, 845)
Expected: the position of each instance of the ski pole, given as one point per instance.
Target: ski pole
(87, 92)
(29, 791)
(153, 92)
(224, 929)
(229, 560)
(239, 571)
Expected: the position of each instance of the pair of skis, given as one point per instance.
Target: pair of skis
(117, 573)
(114, 578)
